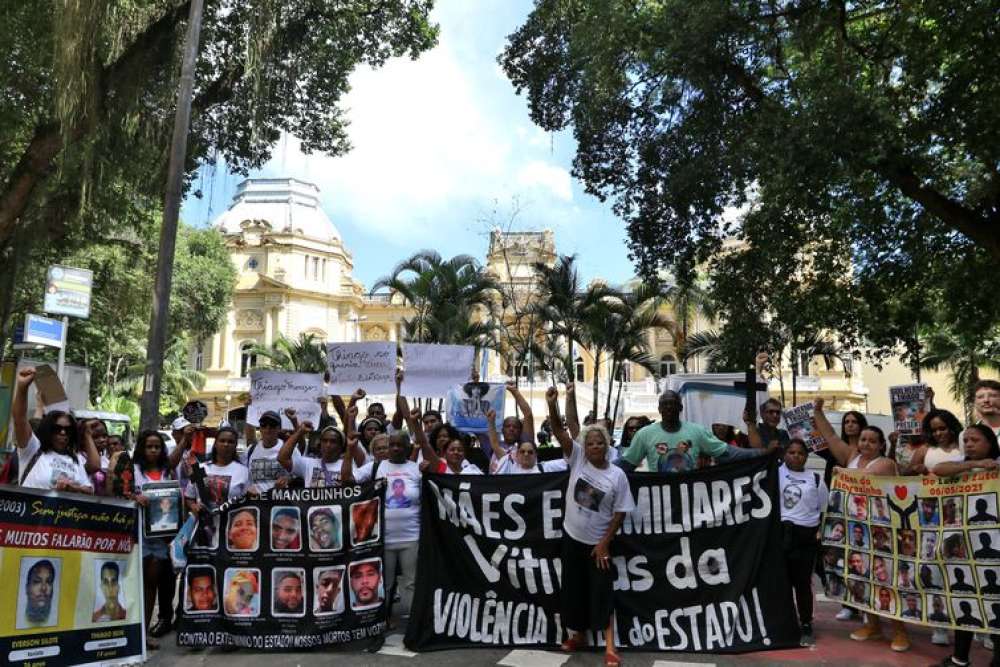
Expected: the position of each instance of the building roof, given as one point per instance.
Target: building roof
(287, 205)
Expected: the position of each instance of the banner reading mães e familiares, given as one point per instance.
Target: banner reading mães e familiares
(921, 549)
(70, 579)
(293, 569)
(698, 564)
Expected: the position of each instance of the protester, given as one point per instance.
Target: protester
(453, 462)
(942, 430)
(595, 507)
(513, 429)
(325, 470)
(52, 459)
(630, 428)
(803, 500)
(868, 455)
(987, 403)
(369, 429)
(225, 477)
(981, 453)
(152, 465)
(261, 457)
(770, 415)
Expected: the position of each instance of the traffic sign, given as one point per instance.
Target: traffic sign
(43, 331)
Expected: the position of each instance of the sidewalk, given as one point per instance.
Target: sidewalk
(834, 648)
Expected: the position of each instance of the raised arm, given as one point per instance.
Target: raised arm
(555, 420)
(528, 417)
(753, 435)
(841, 451)
(572, 418)
(352, 427)
(287, 451)
(19, 407)
(413, 425)
(494, 437)
(347, 467)
(340, 408)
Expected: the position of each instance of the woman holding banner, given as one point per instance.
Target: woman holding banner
(597, 499)
(52, 459)
(981, 453)
(868, 455)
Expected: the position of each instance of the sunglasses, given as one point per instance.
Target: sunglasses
(59, 428)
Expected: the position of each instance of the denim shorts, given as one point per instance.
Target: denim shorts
(158, 548)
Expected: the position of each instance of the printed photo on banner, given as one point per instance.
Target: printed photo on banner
(325, 528)
(242, 533)
(858, 564)
(885, 600)
(912, 607)
(833, 531)
(960, 579)
(242, 592)
(985, 543)
(288, 591)
(993, 615)
(928, 512)
(882, 570)
(937, 609)
(163, 514)
(38, 592)
(859, 590)
(930, 577)
(367, 587)
(364, 522)
(469, 403)
(286, 529)
(882, 539)
(953, 545)
(906, 542)
(859, 535)
(928, 544)
(982, 508)
(834, 502)
(206, 536)
(951, 511)
(879, 512)
(328, 596)
(200, 590)
(109, 602)
(989, 586)
(832, 559)
(835, 588)
(906, 570)
(967, 612)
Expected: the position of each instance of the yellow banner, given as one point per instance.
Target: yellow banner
(920, 549)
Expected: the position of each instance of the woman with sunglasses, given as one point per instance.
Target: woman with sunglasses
(523, 460)
(52, 459)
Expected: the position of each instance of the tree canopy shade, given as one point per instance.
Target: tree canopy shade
(87, 88)
(860, 123)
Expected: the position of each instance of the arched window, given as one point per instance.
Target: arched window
(248, 360)
(668, 365)
(579, 368)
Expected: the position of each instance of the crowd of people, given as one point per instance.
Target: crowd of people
(59, 453)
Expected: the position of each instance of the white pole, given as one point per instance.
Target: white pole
(61, 369)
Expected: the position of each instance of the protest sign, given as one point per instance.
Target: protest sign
(291, 570)
(908, 403)
(277, 390)
(431, 370)
(714, 398)
(70, 579)
(468, 404)
(799, 423)
(162, 515)
(920, 549)
(697, 566)
(369, 366)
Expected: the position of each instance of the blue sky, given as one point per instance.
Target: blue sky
(443, 150)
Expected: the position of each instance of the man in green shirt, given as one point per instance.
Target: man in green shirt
(671, 437)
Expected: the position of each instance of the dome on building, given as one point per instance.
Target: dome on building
(285, 204)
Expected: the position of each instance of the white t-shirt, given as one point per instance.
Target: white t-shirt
(264, 467)
(496, 464)
(593, 496)
(316, 473)
(802, 499)
(402, 499)
(223, 483)
(508, 465)
(141, 479)
(50, 467)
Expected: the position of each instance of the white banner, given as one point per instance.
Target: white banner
(277, 390)
(368, 366)
(431, 370)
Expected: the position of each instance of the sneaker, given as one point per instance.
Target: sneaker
(939, 637)
(900, 641)
(867, 632)
(845, 614)
(988, 642)
(950, 662)
(160, 628)
(807, 638)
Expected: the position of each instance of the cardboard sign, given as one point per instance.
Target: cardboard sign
(50, 389)
(277, 390)
(432, 370)
(370, 366)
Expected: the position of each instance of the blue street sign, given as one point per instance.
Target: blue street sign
(43, 331)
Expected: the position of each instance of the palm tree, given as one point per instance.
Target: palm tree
(685, 300)
(179, 381)
(942, 346)
(811, 345)
(306, 354)
(710, 345)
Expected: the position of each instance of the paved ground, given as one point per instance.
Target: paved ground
(834, 648)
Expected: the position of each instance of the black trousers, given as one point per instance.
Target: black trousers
(165, 588)
(963, 646)
(800, 558)
(586, 594)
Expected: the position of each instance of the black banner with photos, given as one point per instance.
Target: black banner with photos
(291, 570)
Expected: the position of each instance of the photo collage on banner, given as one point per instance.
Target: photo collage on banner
(924, 550)
(293, 569)
(70, 579)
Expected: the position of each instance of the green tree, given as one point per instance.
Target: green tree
(87, 88)
(306, 354)
(180, 382)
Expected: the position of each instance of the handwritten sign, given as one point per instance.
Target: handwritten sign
(276, 390)
(432, 370)
(369, 366)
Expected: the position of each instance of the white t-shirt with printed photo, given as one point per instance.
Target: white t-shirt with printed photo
(402, 499)
(593, 496)
(316, 473)
(222, 483)
(50, 467)
(263, 464)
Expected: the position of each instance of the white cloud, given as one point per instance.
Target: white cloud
(548, 176)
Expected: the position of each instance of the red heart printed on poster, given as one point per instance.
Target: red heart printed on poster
(901, 491)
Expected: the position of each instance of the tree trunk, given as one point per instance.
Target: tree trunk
(795, 377)
(615, 369)
(618, 399)
(597, 375)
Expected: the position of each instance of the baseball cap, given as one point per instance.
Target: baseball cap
(179, 424)
(271, 416)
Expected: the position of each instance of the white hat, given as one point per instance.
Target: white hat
(179, 424)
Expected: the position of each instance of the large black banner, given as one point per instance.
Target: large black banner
(699, 564)
(294, 569)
